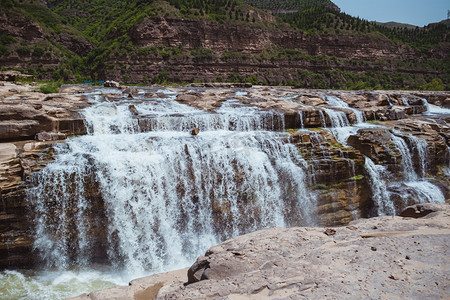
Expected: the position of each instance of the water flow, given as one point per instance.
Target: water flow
(340, 127)
(334, 101)
(405, 101)
(413, 184)
(380, 195)
(407, 163)
(434, 109)
(165, 196)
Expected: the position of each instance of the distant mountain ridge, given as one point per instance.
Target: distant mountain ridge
(291, 5)
(393, 24)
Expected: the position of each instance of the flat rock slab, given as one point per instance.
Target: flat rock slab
(379, 258)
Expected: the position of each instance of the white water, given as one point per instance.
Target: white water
(379, 177)
(168, 196)
(389, 100)
(340, 125)
(434, 109)
(334, 101)
(380, 195)
(29, 285)
(405, 101)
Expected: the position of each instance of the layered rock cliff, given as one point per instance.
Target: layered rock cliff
(248, 51)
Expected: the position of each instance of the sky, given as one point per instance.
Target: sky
(415, 12)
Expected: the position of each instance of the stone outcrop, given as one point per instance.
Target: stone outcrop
(31, 122)
(382, 257)
(28, 34)
(160, 31)
(111, 83)
(25, 113)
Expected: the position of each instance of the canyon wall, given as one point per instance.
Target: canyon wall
(273, 55)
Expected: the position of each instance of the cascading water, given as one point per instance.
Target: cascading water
(379, 177)
(139, 194)
(413, 185)
(406, 159)
(334, 101)
(380, 194)
(434, 109)
(148, 196)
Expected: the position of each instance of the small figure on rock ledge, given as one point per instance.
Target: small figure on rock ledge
(111, 83)
(195, 131)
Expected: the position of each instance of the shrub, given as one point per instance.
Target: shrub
(38, 51)
(203, 53)
(23, 51)
(6, 39)
(435, 85)
(4, 50)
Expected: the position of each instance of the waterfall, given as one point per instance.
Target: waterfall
(334, 101)
(340, 126)
(407, 164)
(380, 195)
(414, 184)
(389, 101)
(434, 109)
(300, 116)
(166, 195)
(405, 101)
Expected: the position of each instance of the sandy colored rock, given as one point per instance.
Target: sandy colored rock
(378, 258)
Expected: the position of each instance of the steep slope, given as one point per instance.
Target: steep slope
(36, 41)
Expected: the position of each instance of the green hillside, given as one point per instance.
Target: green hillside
(82, 38)
(290, 5)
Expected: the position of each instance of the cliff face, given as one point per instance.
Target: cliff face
(30, 124)
(36, 48)
(250, 51)
(248, 39)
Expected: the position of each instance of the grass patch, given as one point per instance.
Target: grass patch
(51, 87)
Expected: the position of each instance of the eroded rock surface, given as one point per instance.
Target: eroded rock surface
(30, 123)
(383, 257)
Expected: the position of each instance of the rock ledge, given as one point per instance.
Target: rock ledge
(378, 258)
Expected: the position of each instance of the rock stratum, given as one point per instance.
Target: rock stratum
(32, 122)
(402, 257)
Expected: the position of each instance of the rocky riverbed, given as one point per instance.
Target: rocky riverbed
(349, 154)
(404, 257)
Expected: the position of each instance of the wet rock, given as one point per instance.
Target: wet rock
(330, 231)
(133, 110)
(50, 136)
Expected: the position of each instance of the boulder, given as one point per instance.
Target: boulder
(195, 131)
(111, 83)
(421, 210)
